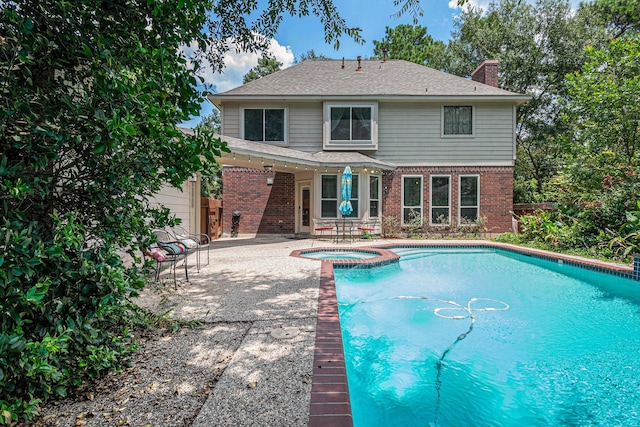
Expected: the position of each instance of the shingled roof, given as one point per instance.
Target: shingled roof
(391, 78)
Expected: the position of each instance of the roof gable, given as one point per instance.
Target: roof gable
(316, 77)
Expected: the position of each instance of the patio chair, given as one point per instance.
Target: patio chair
(173, 250)
(193, 242)
(368, 229)
(160, 257)
(320, 227)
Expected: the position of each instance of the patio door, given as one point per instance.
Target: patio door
(304, 207)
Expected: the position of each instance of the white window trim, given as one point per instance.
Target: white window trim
(431, 206)
(460, 136)
(460, 196)
(379, 196)
(267, 107)
(329, 144)
(337, 199)
(421, 206)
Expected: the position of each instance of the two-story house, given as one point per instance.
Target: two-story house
(419, 142)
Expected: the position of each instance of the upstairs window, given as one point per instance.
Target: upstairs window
(351, 123)
(264, 124)
(457, 120)
(350, 126)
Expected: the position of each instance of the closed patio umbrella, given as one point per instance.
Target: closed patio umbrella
(345, 205)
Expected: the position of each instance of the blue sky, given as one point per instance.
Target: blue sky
(372, 16)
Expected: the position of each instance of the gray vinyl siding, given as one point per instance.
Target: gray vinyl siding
(231, 120)
(410, 134)
(305, 126)
(304, 123)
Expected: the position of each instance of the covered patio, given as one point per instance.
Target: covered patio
(271, 189)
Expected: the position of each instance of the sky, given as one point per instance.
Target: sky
(299, 35)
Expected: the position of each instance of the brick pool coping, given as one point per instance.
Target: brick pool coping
(330, 404)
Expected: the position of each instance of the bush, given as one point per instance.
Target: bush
(391, 227)
(64, 305)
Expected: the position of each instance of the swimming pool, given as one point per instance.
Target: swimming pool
(485, 337)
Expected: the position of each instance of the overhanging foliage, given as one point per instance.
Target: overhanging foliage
(92, 92)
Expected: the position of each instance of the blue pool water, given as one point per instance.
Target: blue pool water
(489, 338)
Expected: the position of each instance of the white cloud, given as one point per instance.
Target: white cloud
(238, 63)
(475, 4)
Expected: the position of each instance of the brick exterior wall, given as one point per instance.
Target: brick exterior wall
(261, 206)
(486, 73)
(496, 192)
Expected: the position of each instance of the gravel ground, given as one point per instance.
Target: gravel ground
(234, 370)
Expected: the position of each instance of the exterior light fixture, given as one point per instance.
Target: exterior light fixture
(267, 168)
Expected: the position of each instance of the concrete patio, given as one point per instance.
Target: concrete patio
(255, 288)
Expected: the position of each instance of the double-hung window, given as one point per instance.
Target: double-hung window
(469, 198)
(440, 199)
(350, 126)
(457, 120)
(264, 124)
(351, 123)
(374, 196)
(411, 198)
(329, 196)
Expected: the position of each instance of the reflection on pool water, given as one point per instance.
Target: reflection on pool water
(338, 255)
(489, 338)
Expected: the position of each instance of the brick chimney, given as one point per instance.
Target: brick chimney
(486, 73)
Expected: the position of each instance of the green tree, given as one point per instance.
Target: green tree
(536, 45)
(266, 65)
(212, 122)
(597, 189)
(603, 106)
(411, 43)
(91, 96)
(622, 15)
(211, 179)
(310, 54)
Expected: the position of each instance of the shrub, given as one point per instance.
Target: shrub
(64, 304)
(416, 225)
(391, 227)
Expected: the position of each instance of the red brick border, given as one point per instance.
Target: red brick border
(330, 404)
